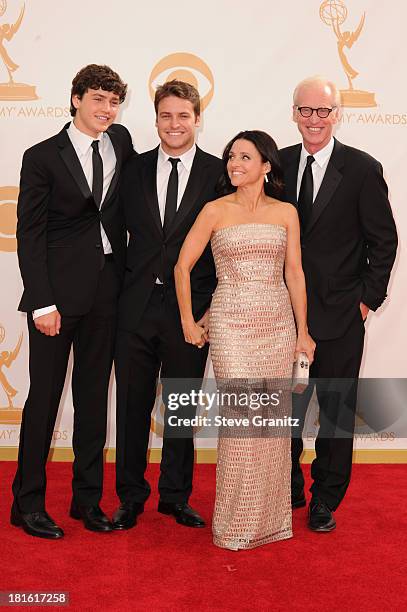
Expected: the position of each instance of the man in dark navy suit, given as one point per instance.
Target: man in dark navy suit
(71, 250)
(163, 191)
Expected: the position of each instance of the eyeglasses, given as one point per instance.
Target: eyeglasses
(307, 111)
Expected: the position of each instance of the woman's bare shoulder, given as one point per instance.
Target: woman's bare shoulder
(280, 204)
(226, 199)
(216, 207)
(285, 211)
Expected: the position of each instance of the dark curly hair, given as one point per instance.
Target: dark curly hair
(267, 148)
(97, 77)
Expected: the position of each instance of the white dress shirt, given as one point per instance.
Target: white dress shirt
(163, 174)
(318, 167)
(82, 143)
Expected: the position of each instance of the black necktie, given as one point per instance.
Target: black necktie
(172, 195)
(97, 183)
(306, 195)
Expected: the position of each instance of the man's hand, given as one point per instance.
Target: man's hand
(364, 310)
(49, 324)
(204, 322)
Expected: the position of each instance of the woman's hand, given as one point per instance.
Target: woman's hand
(204, 322)
(195, 334)
(305, 344)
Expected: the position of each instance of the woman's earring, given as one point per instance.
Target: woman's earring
(266, 178)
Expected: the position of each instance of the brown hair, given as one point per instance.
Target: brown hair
(97, 77)
(180, 89)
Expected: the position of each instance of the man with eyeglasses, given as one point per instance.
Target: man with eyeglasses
(349, 242)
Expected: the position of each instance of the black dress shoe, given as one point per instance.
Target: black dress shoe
(298, 500)
(320, 516)
(126, 515)
(184, 514)
(38, 524)
(93, 517)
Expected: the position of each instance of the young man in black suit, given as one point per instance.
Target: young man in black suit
(71, 250)
(163, 191)
(349, 243)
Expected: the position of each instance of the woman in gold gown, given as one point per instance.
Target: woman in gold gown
(255, 241)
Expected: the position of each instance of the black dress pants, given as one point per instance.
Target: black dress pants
(334, 374)
(157, 347)
(92, 337)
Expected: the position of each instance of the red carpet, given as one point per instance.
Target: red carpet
(160, 565)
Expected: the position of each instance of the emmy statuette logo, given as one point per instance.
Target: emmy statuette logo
(9, 414)
(12, 90)
(157, 417)
(158, 414)
(8, 218)
(181, 66)
(334, 13)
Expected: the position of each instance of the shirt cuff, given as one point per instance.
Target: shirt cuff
(43, 311)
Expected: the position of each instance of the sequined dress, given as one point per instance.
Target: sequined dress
(252, 337)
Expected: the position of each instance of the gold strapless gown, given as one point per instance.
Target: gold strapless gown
(252, 336)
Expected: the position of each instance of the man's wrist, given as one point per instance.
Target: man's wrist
(39, 312)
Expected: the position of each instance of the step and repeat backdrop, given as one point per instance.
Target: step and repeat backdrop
(245, 60)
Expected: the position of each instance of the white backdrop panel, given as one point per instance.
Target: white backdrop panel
(256, 52)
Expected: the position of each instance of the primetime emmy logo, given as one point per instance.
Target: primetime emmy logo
(9, 415)
(181, 67)
(12, 90)
(8, 218)
(334, 13)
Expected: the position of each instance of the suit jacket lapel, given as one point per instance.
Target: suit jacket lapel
(330, 182)
(115, 178)
(196, 181)
(290, 176)
(73, 164)
(149, 181)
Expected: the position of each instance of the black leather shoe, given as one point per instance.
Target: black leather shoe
(320, 516)
(184, 514)
(93, 517)
(38, 524)
(126, 515)
(298, 500)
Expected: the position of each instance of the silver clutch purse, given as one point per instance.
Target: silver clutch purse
(300, 373)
